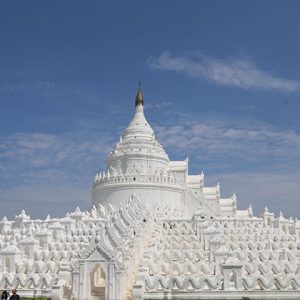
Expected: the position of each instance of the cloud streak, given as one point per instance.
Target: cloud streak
(257, 161)
(45, 88)
(49, 173)
(41, 157)
(43, 199)
(219, 142)
(278, 191)
(239, 73)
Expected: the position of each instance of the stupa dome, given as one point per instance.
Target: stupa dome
(137, 150)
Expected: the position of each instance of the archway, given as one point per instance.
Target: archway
(97, 280)
(232, 280)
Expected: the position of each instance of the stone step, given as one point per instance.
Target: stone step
(99, 293)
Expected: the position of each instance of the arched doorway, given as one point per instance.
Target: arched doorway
(97, 279)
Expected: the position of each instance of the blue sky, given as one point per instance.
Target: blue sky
(221, 81)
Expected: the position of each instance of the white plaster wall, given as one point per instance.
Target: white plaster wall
(152, 195)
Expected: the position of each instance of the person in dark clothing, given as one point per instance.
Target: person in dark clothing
(14, 295)
(4, 295)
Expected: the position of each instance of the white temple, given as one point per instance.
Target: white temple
(153, 232)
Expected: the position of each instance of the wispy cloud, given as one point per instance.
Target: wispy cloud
(45, 88)
(157, 105)
(237, 144)
(48, 157)
(49, 172)
(279, 191)
(241, 73)
(254, 159)
(43, 199)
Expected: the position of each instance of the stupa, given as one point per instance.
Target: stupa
(153, 232)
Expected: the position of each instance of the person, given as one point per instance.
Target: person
(4, 295)
(14, 295)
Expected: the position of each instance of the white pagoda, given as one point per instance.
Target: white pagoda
(153, 232)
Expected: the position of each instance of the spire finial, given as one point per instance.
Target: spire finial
(139, 99)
